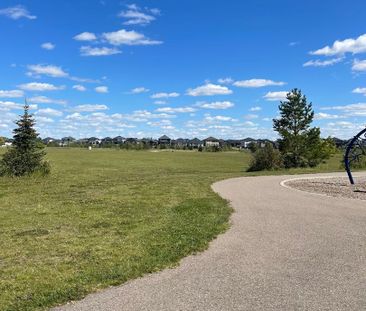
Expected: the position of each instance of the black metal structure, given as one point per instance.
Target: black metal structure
(356, 149)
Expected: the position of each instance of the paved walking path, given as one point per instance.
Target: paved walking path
(286, 250)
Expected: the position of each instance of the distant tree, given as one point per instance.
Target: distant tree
(26, 155)
(2, 141)
(300, 145)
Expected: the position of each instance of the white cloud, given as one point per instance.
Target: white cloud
(160, 102)
(358, 90)
(165, 95)
(17, 12)
(209, 89)
(85, 36)
(323, 63)
(275, 96)
(359, 65)
(326, 116)
(257, 108)
(342, 124)
(257, 83)
(249, 123)
(352, 110)
(46, 100)
(139, 90)
(251, 116)
(7, 105)
(80, 88)
(227, 80)
(49, 112)
(210, 118)
(89, 108)
(98, 51)
(216, 105)
(176, 110)
(36, 86)
(11, 94)
(125, 37)
(48, 46)
(47, 70)
(136, 16)
(353, 46)
(101, 89)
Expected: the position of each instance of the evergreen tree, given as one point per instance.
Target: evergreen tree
(300, 144)
(26, 156)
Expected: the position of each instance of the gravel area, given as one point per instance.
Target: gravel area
(336, 187)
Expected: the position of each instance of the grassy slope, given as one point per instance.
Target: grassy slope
(106, 216)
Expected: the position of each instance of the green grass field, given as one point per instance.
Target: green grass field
(105, 216)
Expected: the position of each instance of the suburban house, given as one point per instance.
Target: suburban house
(164, 140)
(211, 142)
(180, 142)
(195, 143)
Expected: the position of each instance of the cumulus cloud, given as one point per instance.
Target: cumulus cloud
(11, 94)
(89, 108)
(176, 110)
(49, 112)
(98, 51)
(323, 63)
(126, 37)
(341, 47)
(17, 12)
(359, 65)
(101, 89)
(47, 70)
(79, 87)
(326, 116)
(41, 87)
(165, 95)
(256, 108)
(210, 118)
(160, 102)
(253, 83)
(358, 90)
(8, 105)
(227, 80)
(85, 36)
(216, 105)
(275, 96)
(48, 46)
(134, 15)
(352, 110)
(139, 90)
(46, 100)
(209, 89)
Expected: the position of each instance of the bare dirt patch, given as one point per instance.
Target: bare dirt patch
(335, 187)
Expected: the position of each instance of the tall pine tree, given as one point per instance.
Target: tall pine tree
(26, 155)
(300, 144)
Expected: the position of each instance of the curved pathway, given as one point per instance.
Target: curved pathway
(286, 250)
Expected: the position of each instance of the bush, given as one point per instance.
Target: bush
(267, 158)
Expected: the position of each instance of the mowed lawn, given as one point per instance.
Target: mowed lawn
(105, 216)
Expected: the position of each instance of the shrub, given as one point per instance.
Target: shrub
(267, 158)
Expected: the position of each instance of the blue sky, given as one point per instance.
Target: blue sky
(181, 68)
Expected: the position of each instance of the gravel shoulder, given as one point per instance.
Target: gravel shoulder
(334, 186)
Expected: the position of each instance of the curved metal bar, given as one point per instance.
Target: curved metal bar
(349, 158)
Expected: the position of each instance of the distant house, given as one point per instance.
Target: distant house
(164, 140)
(195, 143)
(107, 140)
(133, 141)
(180, 142)
(66, 141)
(211, 142)
(48, 140)
(119, 140)
(94, 141)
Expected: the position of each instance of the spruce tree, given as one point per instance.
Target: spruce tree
(299, 144)
(26, 155)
